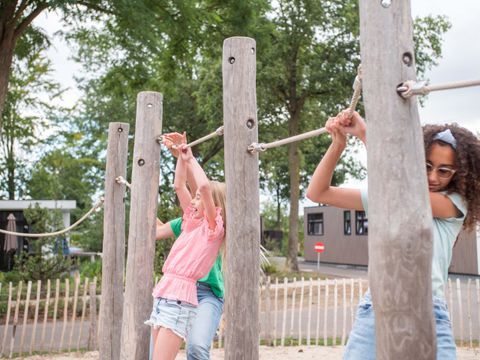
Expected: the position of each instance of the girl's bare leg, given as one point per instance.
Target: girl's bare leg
(166, 344)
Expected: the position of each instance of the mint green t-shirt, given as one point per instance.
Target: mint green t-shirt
(445, 232)
(214, 278)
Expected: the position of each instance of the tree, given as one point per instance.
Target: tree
(16, 17)
(25, 112)
(45, 258)
(306, 75)
(179, 56)
(63, 175)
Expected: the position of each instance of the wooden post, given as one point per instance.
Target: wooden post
(65, 312)
(37, 306)
(25, 315)
(137, 304)
(400, 217)
(268, 314)
(93, 331)
(243, 219)
(113, 257)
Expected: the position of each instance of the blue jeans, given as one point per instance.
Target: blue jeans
(202, 332)
(361, 341)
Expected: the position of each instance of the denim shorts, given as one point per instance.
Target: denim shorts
(174, 315)
(361, 341)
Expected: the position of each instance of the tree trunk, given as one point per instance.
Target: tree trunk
(11, 176)
(13, 24)
(279, 204)
(6, 55)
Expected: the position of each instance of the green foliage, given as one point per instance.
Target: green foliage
(269, 269)
(45, 260)
(11, 276)
(428, 35)
(89, 269)
(25, 111)
(62, 175)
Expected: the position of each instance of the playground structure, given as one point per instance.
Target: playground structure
(400, 255)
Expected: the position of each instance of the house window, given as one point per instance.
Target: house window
(361, 223)
(347, 222)
(315, 224)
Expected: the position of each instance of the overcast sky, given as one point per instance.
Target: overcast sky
(461, 61)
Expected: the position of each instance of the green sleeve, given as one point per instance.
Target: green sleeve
(176, 226)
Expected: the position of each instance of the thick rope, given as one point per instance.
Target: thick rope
(121, 180)
(410, 88)
(95, 207)
(218, 132)
(357, 91)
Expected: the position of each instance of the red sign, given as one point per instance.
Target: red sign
(319, 247)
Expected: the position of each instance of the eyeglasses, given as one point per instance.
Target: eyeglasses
(442, 171)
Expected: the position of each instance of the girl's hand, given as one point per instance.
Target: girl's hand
(352, 124)
(334, 127)
(185, 152)
(173, 141)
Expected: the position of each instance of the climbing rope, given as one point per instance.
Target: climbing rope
(79, 221)
(410, 88)
(218, 132)
(357, 91)
(121, 180)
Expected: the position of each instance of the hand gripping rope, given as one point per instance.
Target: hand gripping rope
(357, 91)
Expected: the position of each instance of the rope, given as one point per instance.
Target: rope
(95, 207)
(410, 88)
(121, 180)
(357, 91)
(218, 132)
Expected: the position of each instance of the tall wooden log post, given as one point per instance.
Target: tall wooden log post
(400, 218)
(113, 253)
(243, 219)
(138, 301)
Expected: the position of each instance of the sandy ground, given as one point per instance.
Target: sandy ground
(268, 353)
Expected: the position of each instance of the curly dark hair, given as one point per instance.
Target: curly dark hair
(466, 180)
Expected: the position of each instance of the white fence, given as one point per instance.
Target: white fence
(48, 317)
(60, 316)
(321, 312)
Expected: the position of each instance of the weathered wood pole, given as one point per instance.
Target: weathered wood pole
(400, 218)
(243, 219)
(92, 331)
(113, 253)
(137, 303)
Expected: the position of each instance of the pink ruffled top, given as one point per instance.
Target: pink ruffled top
(191, 258)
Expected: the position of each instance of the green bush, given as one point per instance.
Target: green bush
(269, 269)
(91, 269)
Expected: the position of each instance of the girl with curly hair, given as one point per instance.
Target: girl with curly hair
(453, 172)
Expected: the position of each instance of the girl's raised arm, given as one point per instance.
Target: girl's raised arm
(202, 183)
(172, 141)
(320, 189)
(180, 184)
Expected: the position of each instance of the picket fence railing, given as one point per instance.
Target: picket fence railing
(56, 317)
